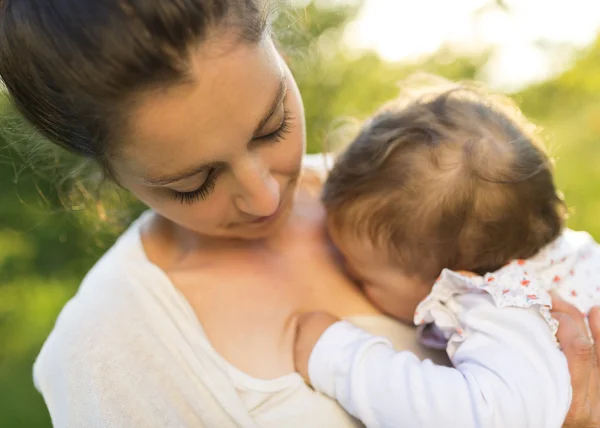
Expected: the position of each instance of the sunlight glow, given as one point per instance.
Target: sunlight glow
(530, 38)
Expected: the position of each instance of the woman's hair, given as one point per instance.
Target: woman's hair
(454, 178)
(73, 68)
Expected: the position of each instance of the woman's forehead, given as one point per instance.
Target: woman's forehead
(204, 118)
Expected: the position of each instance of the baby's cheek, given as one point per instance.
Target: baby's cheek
(391, 303)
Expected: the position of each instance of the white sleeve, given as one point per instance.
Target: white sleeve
(508, 372)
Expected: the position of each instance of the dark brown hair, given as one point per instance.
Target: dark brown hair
(454, 178)
(73, 67)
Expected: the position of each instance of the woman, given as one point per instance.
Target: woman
(189, 320)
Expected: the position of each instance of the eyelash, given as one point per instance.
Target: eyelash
(277, 135)
(201, 193)
(208, 186)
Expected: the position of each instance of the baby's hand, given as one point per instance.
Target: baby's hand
(311, 326)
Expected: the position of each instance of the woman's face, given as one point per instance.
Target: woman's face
(220, 154)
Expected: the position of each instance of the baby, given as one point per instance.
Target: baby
(445, 210)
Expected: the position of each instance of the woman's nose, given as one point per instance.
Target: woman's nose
(259, 192)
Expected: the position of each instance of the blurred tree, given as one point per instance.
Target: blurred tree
(567, 107)
(337, 83)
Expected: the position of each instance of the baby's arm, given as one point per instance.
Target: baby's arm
(508, 372)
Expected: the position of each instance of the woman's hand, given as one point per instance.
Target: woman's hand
(582, 357)
(310, 328)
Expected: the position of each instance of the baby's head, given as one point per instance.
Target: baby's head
(455, 179)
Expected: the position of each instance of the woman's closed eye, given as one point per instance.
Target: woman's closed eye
(209, 183)
(201, 192)
(277, 135)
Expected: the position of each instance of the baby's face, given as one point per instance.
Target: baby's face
(383, 281)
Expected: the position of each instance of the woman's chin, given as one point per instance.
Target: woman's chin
(263, 228)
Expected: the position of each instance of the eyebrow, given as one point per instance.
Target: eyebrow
(172, 178)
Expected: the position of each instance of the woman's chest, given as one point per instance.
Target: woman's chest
(274, 407)
(247, 303)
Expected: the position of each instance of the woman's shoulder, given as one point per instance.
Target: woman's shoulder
(117, 304)
(93, 343)
(315, 168)
(319, 163)
(126, 351)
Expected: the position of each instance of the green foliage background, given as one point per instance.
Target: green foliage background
(50, 235)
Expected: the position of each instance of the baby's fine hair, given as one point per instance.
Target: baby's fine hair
(452, 178)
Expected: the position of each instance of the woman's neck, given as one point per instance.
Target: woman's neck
(166, 243)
